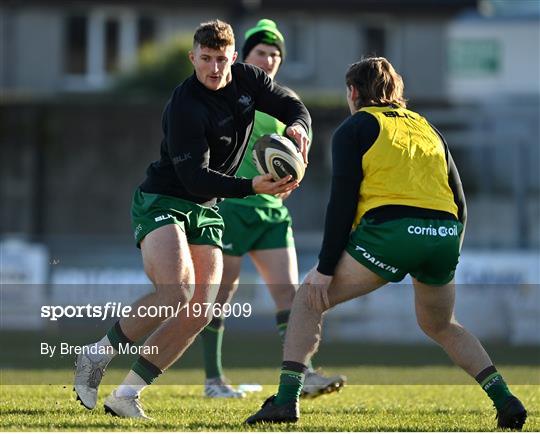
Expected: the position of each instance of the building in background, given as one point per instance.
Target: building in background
(62, 46)
(472, 71)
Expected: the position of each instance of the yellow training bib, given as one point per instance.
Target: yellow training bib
(405, 166)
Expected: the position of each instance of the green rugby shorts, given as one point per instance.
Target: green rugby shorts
(250, 228)
(426, 249)
(149, 211)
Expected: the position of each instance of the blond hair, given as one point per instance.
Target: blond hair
(215, 34)
(376, 81)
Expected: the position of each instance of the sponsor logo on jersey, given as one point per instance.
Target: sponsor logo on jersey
(162, 217)
(441, 231)
(376, 262)
(393, 114)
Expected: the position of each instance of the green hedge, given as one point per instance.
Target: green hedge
(159, 69)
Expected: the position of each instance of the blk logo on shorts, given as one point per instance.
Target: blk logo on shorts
(163, 217)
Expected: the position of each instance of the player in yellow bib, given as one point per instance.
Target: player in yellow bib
(393, 182)
(261, 227)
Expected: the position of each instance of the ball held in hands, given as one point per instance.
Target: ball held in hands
(278, 156)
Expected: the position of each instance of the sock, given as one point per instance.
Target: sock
(132, 386)
(212, 337)
(291, 381)
(146, 370)
(282, 319)
(494, 385)
(102, 350)
(116, 336)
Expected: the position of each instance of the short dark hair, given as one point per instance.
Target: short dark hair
(376, 81)
(215, 34)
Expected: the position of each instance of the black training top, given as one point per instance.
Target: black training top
(353, 138)
(206, 134)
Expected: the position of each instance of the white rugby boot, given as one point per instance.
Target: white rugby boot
(124, 406)
(219, 387)
(316, 384)
(88, 375)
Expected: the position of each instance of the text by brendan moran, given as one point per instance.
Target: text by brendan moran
(65, 348)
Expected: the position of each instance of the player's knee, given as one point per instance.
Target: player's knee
(302, 294)
(283, 295)
(185, 293)
(198, 323)
(227, 290)
(301, 302)
(174, 295)
(434, 329)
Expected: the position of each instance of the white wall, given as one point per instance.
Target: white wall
(37, 49)
(519, 47)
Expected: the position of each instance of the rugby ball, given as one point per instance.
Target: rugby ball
(278, 156)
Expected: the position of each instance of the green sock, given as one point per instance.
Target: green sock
(212, 337)
(494, 385)
(116, 336)
(291, 381)
(282, 319)
(146, 370)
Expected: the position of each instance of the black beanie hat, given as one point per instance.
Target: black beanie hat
(265, 32)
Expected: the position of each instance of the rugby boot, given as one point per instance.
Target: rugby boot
(316, 384)
(512, 414)
(124, 406)
(219, 387)
(272, 413)
(88, 375)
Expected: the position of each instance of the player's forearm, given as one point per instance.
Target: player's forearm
(205, 182)
(339, 218)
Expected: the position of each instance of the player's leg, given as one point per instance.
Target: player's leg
(216, 385)
(274, 255)
(279, 270)
(168, 264)
(236, 235)
(351, 280)
(435, 314)
(165, 345)
(182, 329)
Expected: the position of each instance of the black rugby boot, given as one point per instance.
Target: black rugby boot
(512, 414)
(272, 413)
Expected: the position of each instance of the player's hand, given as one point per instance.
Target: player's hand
(265, 184)
(300, 136)
(318, 285)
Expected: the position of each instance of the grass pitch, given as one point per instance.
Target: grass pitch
(388, 407)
